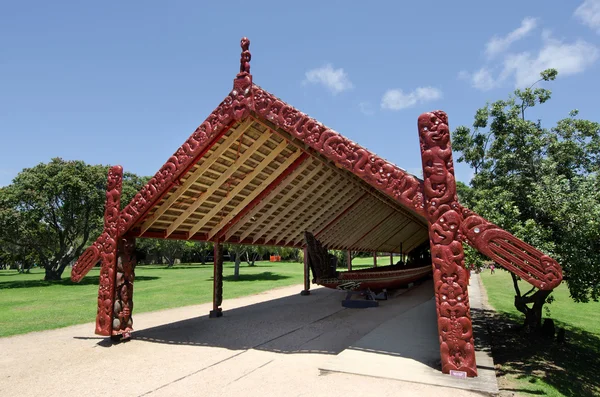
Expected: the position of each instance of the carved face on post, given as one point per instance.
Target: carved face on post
(444, 230)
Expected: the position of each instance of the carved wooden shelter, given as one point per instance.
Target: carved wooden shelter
(258, 171)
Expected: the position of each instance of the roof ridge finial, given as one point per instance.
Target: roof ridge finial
(245, 57)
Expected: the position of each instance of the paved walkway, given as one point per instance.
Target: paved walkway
(406, 346)
(270, 344)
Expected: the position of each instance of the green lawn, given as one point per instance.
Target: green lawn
(536, 366)
(29, 304)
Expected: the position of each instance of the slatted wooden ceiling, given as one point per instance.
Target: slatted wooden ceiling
(281, 188)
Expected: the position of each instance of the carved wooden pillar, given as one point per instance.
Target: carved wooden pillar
(108, 252)
(217, 281)
(375, 259)
(122, 323)
(349, 259)
(444, 216)
(306, 290)
(402, 255)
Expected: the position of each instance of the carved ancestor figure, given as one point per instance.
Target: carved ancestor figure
(449, 275)
(108, 254)
(123, 305)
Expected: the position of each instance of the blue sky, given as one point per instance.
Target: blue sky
(127, 82)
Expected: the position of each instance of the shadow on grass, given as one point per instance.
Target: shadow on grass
(264, 276)
(572, 367)
(178, 267)
(66, 282)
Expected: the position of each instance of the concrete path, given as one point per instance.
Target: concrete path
(406, 346)
(270, 344)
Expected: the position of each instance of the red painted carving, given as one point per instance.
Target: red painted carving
(87, 260)
(513, 254)
(234, 107)
(378, 172)
(449, 275)
(108, 254)
(123, 306)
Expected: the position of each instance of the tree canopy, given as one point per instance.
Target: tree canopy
(541, 184)
(51, 212)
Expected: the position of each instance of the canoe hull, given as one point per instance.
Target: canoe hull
(376, 279)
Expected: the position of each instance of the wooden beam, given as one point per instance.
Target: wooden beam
(283, 181)
(334, 220)
(330, 237)
(285, 198)
(289, 208)
(365, 221)
(241, 185)
(345, 196)
(346, 174)
(217, 184)
(238, 132)
(290, 221)
(328, 213)
(387, 230)
(259, 189)
(349, 260)
(301, 220)
(385, 217)
(398, 229)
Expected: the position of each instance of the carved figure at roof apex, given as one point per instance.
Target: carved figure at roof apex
(246, 56)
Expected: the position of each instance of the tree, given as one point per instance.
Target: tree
(196, 251)
(236, 250)
(170, 250)
(255, 252)
(540, 184)
(52, 212)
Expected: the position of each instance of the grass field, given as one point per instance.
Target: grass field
(536, 366)
(27, 303)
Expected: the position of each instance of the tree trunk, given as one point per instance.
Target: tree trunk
(236, 269)
(51, 274)
(533, 314)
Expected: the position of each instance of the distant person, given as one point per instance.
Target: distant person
(492, 268)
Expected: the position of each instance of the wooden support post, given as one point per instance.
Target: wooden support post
(122, 323)
(349, 260)
(457, 349)
(217, 281)
(402, 254)
(375, 259)
(108, 254)
(391, 258)
(306, 290)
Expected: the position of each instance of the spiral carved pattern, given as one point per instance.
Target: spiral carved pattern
(122, 322)
(87, 260)
(530, 264)
(449, 274)
(108, 254)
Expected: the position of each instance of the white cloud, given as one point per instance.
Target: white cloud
(567, 58)
(497, 45)
(589, 14)
(397, 99)
(524, 68)
(483, 79)
(366, 108)
(336, 80)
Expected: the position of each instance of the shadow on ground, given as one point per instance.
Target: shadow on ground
(572, 368)
(65, 281)
(264, 276)
(293, 324)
